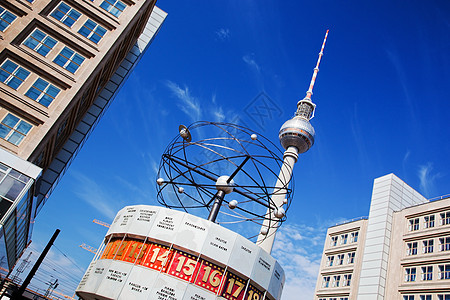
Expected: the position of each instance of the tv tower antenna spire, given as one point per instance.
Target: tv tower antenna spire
(296, 136)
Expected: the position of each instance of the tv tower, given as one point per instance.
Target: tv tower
(296, 136)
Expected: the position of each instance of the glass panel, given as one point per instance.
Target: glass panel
(15, 138)
(4, 268)
(105, 5)
(33, 93)
(22, 73)
(23, 127)
(4, 131)
(11, 188)
(10, 120)
(5, 204)
(78, 59)
(53, 91)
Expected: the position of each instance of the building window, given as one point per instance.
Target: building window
(428, 246)
(40, 42)
(334, 241)
(444, 244)
(414, 224)
(326, 282)
(61, 129)
(410, 274)
(69, 59)
(336, 280)
(425, 297)
(13, 185)
(65, 14)
(429, 221)
(408, 297)
(427, 273)
(344, 238)
(43, 92)
(330, 261)
(6, 18)
(340, 259)
(444, 297)
(114, 7)
(444, 272)
(92, 31)
(12, 74)
(354, 237)
(347, 280)
(445, 218)
(351, 258)
(13, 129)
(411, 248)
(343, 298)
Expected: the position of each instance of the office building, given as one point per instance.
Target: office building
(61, 64)
(401, 251)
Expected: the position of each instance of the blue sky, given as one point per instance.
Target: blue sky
(382, 98)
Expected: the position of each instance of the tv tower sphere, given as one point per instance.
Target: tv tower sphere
(297, 132)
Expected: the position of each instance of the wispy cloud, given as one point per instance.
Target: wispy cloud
(188, 103)
(250, 60)
(427, 179)
(217, 110)
(394, 57)
(223, 34)
(93, 194)
(360, 140)
(304, 245)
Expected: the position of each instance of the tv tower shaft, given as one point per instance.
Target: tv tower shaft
(296, 136)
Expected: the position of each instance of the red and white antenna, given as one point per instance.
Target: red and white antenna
(316, 69)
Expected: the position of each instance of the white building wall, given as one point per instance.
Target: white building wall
(389, 194)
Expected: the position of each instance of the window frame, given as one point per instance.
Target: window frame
(351, 258)
(444, 272)
(347, 280)
(69, 60)
(330, 261)
(326, 282)
(66, 15)
(344, 238)
(410, 274)
(444, 243)
(428, 246)
(429, 221)
(112, 6)
(2, 20)
(354, 237)
(411, 248)
(92, 32)
(40, 43)
(15, 129)
(13, 75)
(445, 218)
(336, 281)
(427, 273)
(43, 93)
(414, 224)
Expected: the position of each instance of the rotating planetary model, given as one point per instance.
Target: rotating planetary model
(224, 191)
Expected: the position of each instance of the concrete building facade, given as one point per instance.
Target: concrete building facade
(61, 64)
(403, 251)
